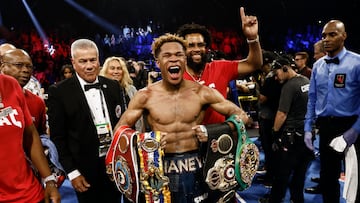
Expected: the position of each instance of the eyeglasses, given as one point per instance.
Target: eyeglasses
(200, 45)
(20, 65)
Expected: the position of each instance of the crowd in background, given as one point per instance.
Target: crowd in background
(132, 44)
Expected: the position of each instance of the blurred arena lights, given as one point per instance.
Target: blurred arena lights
(39, 29)
(96, 19)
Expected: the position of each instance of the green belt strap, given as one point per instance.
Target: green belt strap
(247, 155)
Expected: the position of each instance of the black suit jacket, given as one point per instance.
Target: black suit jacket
(72, 128)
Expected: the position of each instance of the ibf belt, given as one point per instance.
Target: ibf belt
(247, 155)
(153, 182)
(121, 163)
(219, 168)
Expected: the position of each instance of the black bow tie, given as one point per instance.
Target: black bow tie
(334, 60)
(95, 85)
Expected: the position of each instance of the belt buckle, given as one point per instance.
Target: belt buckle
(150, 145)
(249, 157)
(223, 144)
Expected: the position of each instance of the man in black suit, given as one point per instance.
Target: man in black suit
(82, 113)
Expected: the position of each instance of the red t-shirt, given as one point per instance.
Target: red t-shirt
(217, 74)
(17, 181)
(37, 110)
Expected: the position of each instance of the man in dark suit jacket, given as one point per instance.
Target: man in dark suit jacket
(82, 113)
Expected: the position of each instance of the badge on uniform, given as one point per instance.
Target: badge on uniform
(118, 111)
(103, 130)
(339, 81)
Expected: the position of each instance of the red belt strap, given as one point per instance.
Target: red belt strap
(121, 162)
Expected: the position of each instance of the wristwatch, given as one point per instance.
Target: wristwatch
(50, 181)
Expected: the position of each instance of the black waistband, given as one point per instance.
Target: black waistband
(183, 154)
(336, 119)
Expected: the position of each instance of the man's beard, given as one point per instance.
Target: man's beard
(197, 67)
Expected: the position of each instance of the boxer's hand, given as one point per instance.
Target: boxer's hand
(163, 141)
(201, 133)
(244, 117)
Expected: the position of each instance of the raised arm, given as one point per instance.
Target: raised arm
(250, 29)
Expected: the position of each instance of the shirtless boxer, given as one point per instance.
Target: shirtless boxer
(176, 107)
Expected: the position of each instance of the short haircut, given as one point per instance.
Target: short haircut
(83, 44)
(158, 42)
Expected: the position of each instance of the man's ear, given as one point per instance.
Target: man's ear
(344, 35)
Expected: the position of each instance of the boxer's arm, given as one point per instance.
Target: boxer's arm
(222, 105)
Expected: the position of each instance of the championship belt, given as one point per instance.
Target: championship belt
(219, 167)
(153, 182)
(247, 155)
(121, 163)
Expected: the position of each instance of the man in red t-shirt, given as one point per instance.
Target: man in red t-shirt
(218, 73)
(21, 69)
(17, 136)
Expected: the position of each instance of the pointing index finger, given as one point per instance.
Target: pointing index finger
(242, 13)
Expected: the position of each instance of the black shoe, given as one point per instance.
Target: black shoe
(315, 179)
(313, 190)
